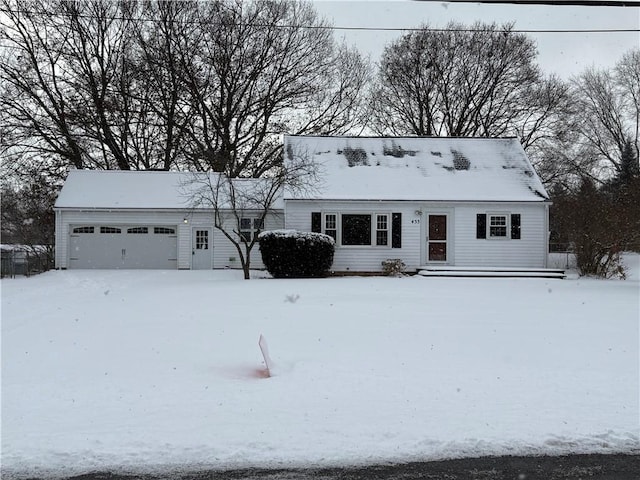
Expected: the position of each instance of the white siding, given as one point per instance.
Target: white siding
(184, 246)
(223, 249)
(225, 254)
(366, 258)
(463, 247)
(61, 239)
(529, 251)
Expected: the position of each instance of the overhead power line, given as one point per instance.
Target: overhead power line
(583, 3)
(347, 28)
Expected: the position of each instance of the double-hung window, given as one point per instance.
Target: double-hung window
(382, 229)
(497, 226)
(331, 225)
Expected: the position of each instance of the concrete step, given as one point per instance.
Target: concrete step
(449, 271)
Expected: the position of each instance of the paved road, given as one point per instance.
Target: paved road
(571, 467)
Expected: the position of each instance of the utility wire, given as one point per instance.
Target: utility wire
(337, 27)
(582, 3)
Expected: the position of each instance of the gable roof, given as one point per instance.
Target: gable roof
(120, 189)
(418, 168)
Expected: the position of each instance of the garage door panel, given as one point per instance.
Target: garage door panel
(136, 247)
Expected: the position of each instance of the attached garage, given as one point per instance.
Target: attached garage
(123, 246)
(114, 219)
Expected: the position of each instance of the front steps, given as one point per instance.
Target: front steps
(448, 271)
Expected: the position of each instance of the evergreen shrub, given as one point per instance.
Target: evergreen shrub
(294, 254)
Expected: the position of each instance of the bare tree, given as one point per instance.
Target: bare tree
(466, 81)
(34, 97)
(608, 115)
(234, 200)
(261, 69)
(159, 85)
(71, 80)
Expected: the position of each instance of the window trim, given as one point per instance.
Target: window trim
(386, 229)
(498, 218)
(334, 229)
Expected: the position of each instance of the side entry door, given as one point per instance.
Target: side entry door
(202, 248)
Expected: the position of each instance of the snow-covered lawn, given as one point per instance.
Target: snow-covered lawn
(145, 369)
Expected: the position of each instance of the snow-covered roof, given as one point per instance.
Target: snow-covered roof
(418, 168)
(119, 189)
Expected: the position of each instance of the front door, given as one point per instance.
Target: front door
(201, 248)
(437, 238)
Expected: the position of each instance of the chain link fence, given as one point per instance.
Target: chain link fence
(25, 260)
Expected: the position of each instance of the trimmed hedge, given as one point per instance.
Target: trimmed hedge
(293, 254)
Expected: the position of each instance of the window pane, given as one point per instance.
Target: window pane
(498, 220)
(382, 237)
(245, 224)
(438, 252)
(258, 223)
(356, 229)
(245, 236)
(164, 231)
(437, 227)
(498, 226)
(330, 222)
(331, 233)
(202, 239)
(381, 223)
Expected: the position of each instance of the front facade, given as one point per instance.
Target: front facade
(429, 201)
(427, 233)
(463, 202)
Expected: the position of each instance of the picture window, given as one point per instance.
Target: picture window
(356, 229)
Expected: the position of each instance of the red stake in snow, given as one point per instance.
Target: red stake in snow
(265, 354)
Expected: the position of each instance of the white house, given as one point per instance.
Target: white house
(458, 202)
(463, 202)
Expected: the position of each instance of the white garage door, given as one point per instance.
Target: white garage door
(123, 246)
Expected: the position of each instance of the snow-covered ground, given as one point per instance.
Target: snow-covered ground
(151, 369)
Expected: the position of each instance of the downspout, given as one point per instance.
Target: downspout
(548, 234)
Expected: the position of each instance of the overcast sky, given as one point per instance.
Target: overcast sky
(564, 54)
